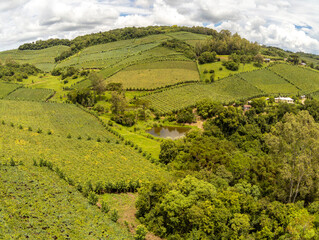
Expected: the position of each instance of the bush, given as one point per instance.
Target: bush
(230, 65)
(93, 198)
(141, 232)
(114, 215)
(105, 208)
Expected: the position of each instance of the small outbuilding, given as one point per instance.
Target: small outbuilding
(284, 99)
(247, 107)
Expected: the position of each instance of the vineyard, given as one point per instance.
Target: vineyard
(227, 90)
(37, 204)
(305, 79)
(157, 74)
(75, 142)
(7, 88)
(30, 94)
(42, 59)
(269, 82)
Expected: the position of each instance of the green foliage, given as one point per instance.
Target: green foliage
(141, 232)
(168, 151)
(207, 57)
(230, 65)
(7, 88)
(92, 198)
(114, 215)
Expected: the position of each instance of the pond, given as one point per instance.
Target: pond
(168, 132)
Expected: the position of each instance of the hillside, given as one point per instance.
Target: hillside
(158, 133)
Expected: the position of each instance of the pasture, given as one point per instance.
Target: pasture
(226, 90)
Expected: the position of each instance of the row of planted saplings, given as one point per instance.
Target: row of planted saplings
(50, 132)
(91, 192)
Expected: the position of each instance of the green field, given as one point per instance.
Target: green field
(269, 82)
(219, 74)
(30, 94)
(108, 161)
(226, 90)
(37, 204)
(188, 37)
(156, 74)
(7, 88)
(305, 79)
(42, 59)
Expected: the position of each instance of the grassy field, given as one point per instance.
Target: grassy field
(226, 90)
(269, 82)
(7, 88)
(156, 74)
(29, 94)
(305, 79)
(37, 204)
(108, 161)
(42, 59)
(188, 37)
(220, 71)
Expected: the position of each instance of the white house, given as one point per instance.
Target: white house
(284, 99)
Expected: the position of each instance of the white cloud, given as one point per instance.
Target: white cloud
(289, 24)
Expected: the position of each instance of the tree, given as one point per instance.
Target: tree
(294, 144)
(98, 83)
(118, 103)
(294, 58)
(168, 151)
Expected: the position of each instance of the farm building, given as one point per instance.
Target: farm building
(284, 99)
(247, 107)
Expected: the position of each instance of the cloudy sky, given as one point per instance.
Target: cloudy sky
(289, 24)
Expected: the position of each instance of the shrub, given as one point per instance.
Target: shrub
(39, 130)
(114, 215)
(141, 232)
(69, 136)
(93, 198)
(105, 208)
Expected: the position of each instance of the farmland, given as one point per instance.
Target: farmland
(42, 59)
(304, 79)
(7, 88)
(269, 82)
(227, 90)
(157, 74)
(29, 94)
(220, 71)
(36, 204)
(98, 156)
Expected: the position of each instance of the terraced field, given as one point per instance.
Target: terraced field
(305, 79)
(156, 74)
(30, 94)
(37, 204)
(7, 88)
(227, 90)
(42, 59)
(98, 156)
(188, 37)
(269, 82)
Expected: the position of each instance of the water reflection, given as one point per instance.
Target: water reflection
(168, 132)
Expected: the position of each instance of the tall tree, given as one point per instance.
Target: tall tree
(294, 145)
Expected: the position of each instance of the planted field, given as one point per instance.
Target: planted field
(188, 37)
(156, 74)
(269, 82)
(77, 144)
(7, 88)
(106, 55)
(30, 94)
(42, 59)
(304, 79)
(226, 90)
(36, 204)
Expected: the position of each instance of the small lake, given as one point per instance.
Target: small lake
(168, 132)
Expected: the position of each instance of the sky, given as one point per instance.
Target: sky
(289, 24)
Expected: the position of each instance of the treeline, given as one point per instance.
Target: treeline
(248, 175)
(41, 44)
(222, 42)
